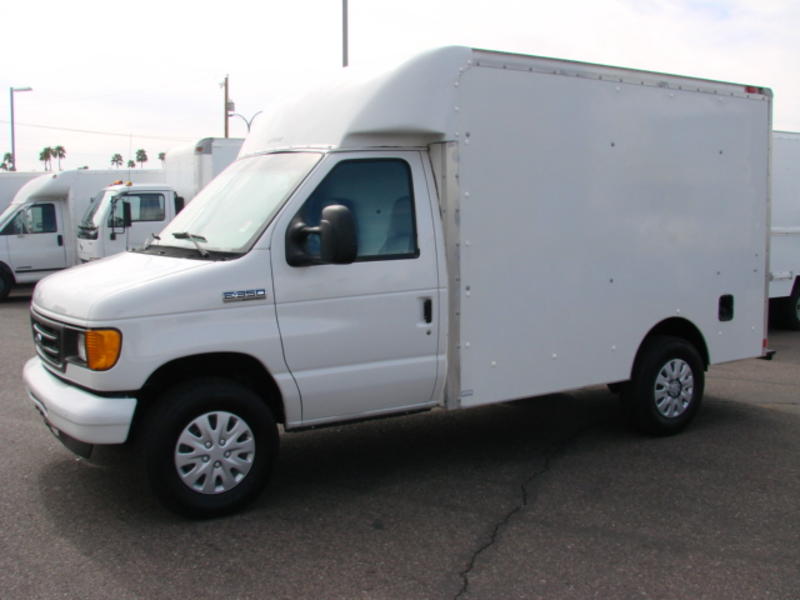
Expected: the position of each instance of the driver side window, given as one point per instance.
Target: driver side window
(38, 218)
(379, 194)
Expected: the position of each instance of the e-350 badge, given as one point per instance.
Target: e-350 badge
(242, 295)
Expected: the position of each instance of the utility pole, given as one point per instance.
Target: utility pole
(344, 33)
(225, 85)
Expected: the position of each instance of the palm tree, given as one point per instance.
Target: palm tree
(162, 156)
(46, 156)
(8, 162)
(116, 160)
(58, 153)
(131, 164)
(141, 157)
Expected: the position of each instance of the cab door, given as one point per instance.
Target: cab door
(35, 240)
(362, 338)
(148, 216)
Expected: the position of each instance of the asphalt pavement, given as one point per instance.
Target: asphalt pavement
(544, 498)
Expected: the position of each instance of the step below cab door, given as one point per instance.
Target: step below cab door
(361, 338)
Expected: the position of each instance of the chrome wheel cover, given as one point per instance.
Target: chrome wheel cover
(674, 388)
(214, 452)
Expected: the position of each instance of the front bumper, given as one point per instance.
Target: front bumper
(79, 414)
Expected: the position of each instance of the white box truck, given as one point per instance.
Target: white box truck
(784, 286)
(37, 230)
(126, 216)
(469, 228)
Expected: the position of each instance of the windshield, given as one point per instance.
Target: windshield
(232, 210)
(95, 203)
(7, 215)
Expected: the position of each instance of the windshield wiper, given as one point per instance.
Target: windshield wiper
(153, 238)
(185, 235)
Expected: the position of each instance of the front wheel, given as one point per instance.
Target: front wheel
(666, 389)
(5, 285)
(209, 447)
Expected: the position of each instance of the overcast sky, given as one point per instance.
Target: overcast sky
(113, 77)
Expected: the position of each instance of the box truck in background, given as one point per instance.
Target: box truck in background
(38, 228)
(188, 169)
(469, 228)
(126, 216)
(784, 286)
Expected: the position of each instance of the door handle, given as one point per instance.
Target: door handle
(427, 310)
(60, 239)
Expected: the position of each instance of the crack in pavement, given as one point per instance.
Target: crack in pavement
(554, 449)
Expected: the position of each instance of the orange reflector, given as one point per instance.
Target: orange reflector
(102, 348)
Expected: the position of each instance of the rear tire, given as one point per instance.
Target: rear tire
(790, 309)
(209, 447)
(666, 389)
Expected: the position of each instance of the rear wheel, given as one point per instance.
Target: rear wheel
(209, 447)
(790, 309)
(666, 389)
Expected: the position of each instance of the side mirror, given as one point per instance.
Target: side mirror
(337, 238)
(337, 235)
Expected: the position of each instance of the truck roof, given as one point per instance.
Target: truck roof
(58, 185)
(416, 103)
(142, 187)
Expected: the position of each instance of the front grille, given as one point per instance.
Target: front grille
(48, 338)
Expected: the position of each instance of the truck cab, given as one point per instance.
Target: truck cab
(31, 243)
(125, 216)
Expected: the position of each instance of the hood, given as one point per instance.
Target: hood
(130, 285)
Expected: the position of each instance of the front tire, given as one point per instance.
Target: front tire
(666, 389)
(209, 447)
(5, 285)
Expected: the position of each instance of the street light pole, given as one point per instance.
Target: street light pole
(247, 121)
(344, 33)
(11, 91)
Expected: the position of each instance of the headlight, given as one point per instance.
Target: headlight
(99, 348)
(82, 346)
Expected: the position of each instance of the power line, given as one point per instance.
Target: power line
(109, 133)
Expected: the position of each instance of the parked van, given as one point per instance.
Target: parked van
(37, 230)
(469, 228)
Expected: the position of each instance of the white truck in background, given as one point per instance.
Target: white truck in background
(784, 285)
(126, 216)
(38, 228)
(469, 228)
(10, 182)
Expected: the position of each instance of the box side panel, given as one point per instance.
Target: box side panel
(592, 210)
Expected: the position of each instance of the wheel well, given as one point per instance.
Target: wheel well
(680, 328)
(6, 270)
(241, 368)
